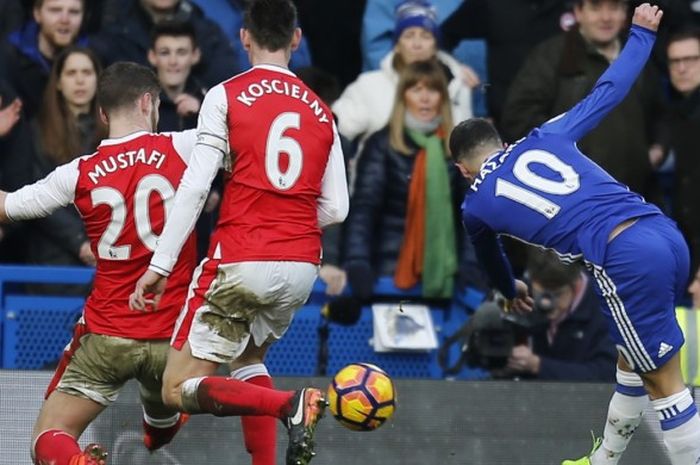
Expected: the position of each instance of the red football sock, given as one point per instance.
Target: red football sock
(259, 432)
(55, 447)
(229, 397)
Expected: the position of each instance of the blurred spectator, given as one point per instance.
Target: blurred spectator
(562, 70)
(15, 168)
(173, 53)
(326, 86)
(404, 214)
(681, 128)
(11, 16)
(129, 38)
(377, 41)
(228, 14)
(572, 343)
(365, 105)
(331, 28)
(690, 324)
(511, 29)
(68, 126)
(29, 51)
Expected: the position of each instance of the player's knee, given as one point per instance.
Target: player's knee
(172, 393)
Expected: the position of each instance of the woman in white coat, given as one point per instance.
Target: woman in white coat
(365, 105)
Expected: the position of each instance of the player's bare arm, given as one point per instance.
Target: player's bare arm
(647, 16)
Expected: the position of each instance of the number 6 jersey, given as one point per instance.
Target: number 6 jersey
(124, 192)
(284, 171)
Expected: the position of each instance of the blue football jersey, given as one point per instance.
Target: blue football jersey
(544, 191)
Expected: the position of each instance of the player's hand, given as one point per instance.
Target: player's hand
(9, 116)
(523, 360)
(85, 254)
(187, 105)
(647, 16)
(522, 303)
(150, 283)
(335, 278)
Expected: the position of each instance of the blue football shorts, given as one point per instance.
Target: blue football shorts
(646, 269)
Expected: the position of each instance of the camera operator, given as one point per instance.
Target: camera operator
(571, 343)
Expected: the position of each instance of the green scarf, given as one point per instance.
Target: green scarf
(440, 251)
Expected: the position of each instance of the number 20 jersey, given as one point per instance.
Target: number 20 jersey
(280, 136)
(123, 192)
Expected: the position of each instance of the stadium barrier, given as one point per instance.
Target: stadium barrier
(436, 422)
(34, 329)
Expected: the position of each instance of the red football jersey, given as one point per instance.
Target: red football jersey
(123, 192)
(280, 136)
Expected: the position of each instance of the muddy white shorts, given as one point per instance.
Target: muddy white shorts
(228, 303)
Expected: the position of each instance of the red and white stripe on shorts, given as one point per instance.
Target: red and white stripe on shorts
(202, 279)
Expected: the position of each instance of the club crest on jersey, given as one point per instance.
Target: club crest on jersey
(125, 160)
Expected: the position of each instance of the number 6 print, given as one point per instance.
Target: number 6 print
(277, 143)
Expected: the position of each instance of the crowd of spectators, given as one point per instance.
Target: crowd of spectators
(397, 73)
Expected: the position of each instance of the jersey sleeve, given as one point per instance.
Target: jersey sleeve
(207, 158)
(490, 254)
(609, 91)
(333, 204)
(184, 142)
(44, 196)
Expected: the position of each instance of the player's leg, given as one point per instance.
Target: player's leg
(62, 419)
(678, 415)
(259, 432)
(625, 413)
(160, 423)
(637, 284)
(88, 379)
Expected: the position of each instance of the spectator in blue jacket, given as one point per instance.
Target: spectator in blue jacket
(129, 38)
(29, 51)
(572, 343)
(228, 14)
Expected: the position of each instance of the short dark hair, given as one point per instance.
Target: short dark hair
(123, 83)
(691, 32)
(470, 135)
(545, 268)
(172, 28)
(271, 23)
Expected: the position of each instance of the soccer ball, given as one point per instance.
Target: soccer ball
(362, 397)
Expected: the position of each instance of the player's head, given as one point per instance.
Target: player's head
(270, 26)
(601, 21)
(128, 90)
(684, 60)
(173, 52)
(554, 284)
(471, 142)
